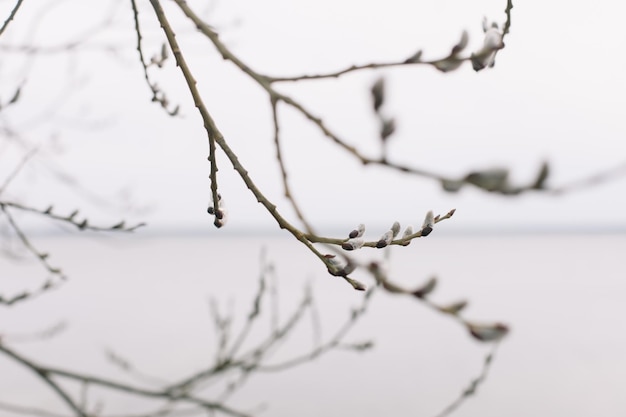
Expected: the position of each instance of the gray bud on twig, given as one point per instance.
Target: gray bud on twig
(429, 223)
(385, 239)
(425, 289)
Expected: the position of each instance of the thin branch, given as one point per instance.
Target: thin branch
(41, 256)
(473, 385)
(18, 168)
(47, 372)
(157, 94)
(44, 374)
(603, 177)
(11, 16)
(332, 343)
(28, 411)
(71, 219)
(252, 316)
(507, 24)
(283, 170)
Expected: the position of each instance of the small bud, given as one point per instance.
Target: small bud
(358, 232)
(458, 48)
(387, 129)
(175, 111)
(395, 229)
(415, 58)
(495, 179)
(454, 308)
(378, 93)
(16, 96)
(220, 218)
(544, 171)
(425, 289)
(486, 56)
(349, 268)
(385, 239)
(353, 244)
(210, 210)
(335, 265)
(429, 223)
(407, 232)
(448, 64)
(451, 186)
(488, 332)
(120, 225)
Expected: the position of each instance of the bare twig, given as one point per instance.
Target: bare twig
(27, 411)
(473, 385)
(71, 218)
(45, 375)
(283, 170)
(11, 16)
(18, 168)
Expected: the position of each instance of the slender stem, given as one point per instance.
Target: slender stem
(44, 374)
(11, 16)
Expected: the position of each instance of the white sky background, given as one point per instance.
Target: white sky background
(557, 93)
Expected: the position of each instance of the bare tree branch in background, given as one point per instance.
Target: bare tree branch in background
(238, 360)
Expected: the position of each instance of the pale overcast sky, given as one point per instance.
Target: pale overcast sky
(556, 93)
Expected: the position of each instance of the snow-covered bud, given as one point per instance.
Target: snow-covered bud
(385, 239)
(353, 244)
(488, 332)
(429, 223)
(425, 289)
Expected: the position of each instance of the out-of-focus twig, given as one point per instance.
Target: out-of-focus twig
(473, 385)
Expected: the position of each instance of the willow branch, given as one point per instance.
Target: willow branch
(215, 134)
(283, 170)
